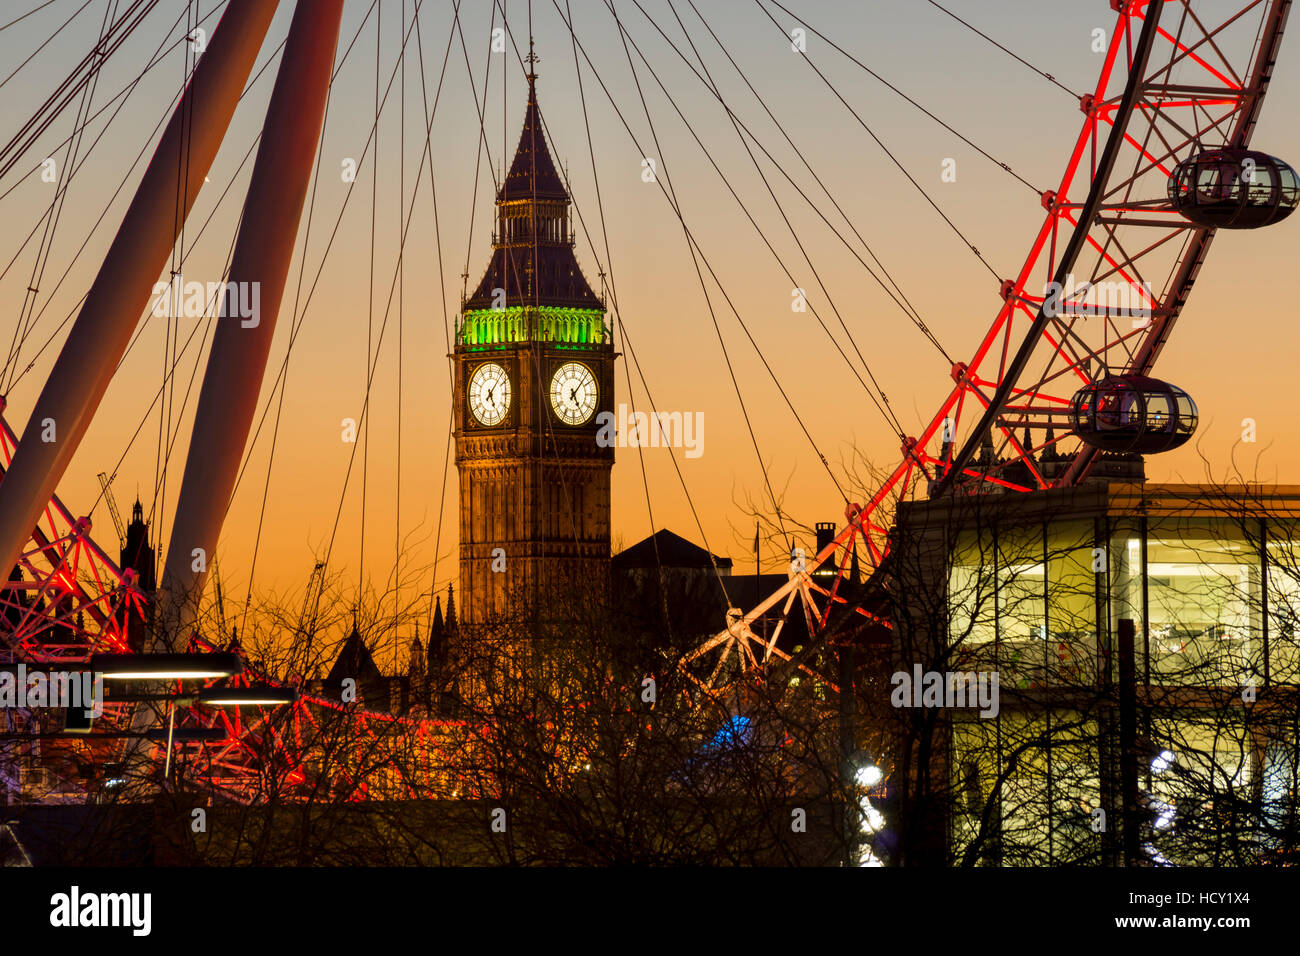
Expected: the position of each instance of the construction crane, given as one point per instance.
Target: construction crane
(311, 601)
(221, 600)
(104, 482)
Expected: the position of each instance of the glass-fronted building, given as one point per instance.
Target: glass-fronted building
(1039, 589)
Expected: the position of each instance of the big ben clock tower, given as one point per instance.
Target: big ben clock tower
(534, 368)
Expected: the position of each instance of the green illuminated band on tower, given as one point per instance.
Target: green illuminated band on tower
(483, 327)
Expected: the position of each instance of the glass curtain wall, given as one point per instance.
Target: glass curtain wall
(1215, 603)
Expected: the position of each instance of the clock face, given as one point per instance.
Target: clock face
(489, 394)
(573, 393)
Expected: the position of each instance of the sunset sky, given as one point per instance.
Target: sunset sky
(1234, 349)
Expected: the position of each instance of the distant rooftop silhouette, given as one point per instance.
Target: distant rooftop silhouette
(673, 551)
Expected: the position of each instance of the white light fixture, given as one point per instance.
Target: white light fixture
(166, 666)
(260, 695)
(868, 775)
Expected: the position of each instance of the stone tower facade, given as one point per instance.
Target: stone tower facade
(534, 370)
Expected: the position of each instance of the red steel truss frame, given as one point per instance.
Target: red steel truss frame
(1171, 84)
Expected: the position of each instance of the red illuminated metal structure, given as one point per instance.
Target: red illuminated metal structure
(68, 600)
(1105, 281)
(1174, 83)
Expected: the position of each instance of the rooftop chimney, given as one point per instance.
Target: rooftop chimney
(825, 535)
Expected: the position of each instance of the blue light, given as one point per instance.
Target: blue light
(736, 732)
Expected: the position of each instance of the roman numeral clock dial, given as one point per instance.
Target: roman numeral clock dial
(573, 393)
(489, 394)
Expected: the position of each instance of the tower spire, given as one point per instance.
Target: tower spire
(532, 256)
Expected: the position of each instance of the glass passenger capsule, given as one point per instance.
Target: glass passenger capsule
(1234, 189)
(1133, 413)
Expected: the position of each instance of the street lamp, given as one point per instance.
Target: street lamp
(259, 695)
(166, 666)
(1163, 761)
(170, 667)
(863, 769)
(178, 667)
(868, 775)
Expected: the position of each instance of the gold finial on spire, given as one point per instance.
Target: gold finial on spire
(532, 60)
